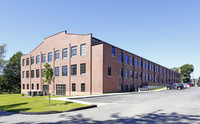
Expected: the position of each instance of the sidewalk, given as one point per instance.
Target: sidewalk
(76, 98)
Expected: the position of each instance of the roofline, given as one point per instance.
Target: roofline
(133, 54)
(56, 34)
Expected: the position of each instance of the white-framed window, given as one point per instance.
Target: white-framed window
(74, 51)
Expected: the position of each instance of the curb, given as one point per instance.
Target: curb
(55, 112)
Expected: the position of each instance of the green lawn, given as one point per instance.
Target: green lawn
(158, 89)
(16, 103)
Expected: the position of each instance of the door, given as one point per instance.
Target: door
(61, 89)
(46, 88)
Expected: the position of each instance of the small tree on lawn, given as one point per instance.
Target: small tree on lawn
(48, 77)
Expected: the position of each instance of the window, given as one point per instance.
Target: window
(23, 62)
(126, 73)
(131, 74)
(37, 59)
(150, 77)
(131, 60)
(109, 71)
(73, 87)
(27, 61)
(43, 58)
(32, 60)
(140, 63)
(126, 87)
(144, 76)
(83, 49)
(136, 62)
(37, 86)
(56, 71)
(27, 86)
(74, 51)
(120, 58)
(27, 74)
(73, 69)
(57, 55)
(32, 73)
(42, 72)
(37, 73)
(147, 66)
(147, 77)
(32, 86)
(83, 68)
(155, 78)
(64, 70)
(82, 87)
(121, 73)
(50, 57)
(136, 75)
(150, 67)
(23, 74)
(126, 59)
(64, 53)
(23, 86)
(140, 74)
(113, 51)
(143, 65)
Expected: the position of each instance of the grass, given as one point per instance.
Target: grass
(158, 89)
(16, 103)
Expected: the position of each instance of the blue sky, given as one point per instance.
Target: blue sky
(164, 31)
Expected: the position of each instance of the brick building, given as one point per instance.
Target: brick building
(83, 65)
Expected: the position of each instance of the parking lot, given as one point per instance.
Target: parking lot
(168, 106)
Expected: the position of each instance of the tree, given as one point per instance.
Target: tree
(2, 56)
(198, 82)
(175, 69)
(11, 78)
(186, 70)
(48, 76)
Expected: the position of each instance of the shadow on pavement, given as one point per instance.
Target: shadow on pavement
(150, 118)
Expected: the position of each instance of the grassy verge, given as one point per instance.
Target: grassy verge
(16, 103)
(158, 89)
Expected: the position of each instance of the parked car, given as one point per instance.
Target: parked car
(185, 85)
(191, 84)
(175, 86)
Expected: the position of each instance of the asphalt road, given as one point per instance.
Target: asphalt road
(168, 106)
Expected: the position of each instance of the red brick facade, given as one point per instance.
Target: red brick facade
(86, 65)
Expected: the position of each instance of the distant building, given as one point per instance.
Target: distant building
(83, 65)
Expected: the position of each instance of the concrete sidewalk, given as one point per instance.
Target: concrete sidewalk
(76, 98)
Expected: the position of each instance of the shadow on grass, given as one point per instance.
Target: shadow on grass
(149, 118)
(11, 108)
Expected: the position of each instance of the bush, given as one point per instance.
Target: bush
(23, 94)
(40, 94)
(32, 95)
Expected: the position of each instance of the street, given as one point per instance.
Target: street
(167, 106)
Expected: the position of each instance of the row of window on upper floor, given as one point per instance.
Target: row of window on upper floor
(138, 75)
(57, 55)
(57, 72)
(145, 65)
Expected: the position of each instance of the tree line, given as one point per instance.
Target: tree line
(10, 72)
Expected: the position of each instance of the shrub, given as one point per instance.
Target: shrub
(23, 94)
(40, 94)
